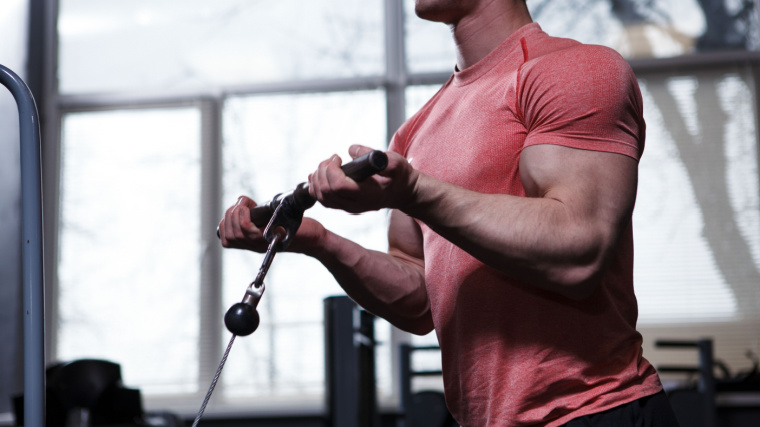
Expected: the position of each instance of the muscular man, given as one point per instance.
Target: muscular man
(511, 193)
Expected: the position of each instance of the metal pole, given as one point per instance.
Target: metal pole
(31, 253)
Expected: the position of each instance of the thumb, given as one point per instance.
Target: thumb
(358, 150)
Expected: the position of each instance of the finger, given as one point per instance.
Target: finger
(225, 225)
(357, 150)
(238, 210)
(335, 177)
(315, 188)
(321, 178)
(312, 186)
(396, 163)
(245, 215)
(222, 234)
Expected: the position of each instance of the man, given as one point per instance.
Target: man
(511, 195)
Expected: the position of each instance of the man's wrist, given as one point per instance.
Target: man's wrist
(315, 247)
(414, 203)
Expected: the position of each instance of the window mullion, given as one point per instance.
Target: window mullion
(210, 305)
(395, 65)
(396, 75)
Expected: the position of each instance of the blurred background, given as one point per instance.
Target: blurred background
(157, 114)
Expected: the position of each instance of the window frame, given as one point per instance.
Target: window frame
(210, 102)
(394, 82)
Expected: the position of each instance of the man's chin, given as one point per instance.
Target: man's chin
(445, 11)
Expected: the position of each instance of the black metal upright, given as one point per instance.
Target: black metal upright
(31, 249)
(694, 409)
(350, 364)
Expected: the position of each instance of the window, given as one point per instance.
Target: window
(697, 253)
(271, 144)
(169, 111)
(144, 45)
(129, 269)
(152, 154)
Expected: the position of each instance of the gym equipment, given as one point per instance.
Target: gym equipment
(710, 400)
(90, 392)
(695, 407)
(282, 217)
(31, 252)
(351, 397)
(425, 408)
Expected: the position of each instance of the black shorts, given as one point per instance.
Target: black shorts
(649, 411)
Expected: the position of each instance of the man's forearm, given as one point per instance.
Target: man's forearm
(385, 285)
(535, 240)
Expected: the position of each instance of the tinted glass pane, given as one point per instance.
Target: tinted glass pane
(163, 44)
(429, 46)
(637, 29)
(129, 244)
(271, 144)
(697, 220)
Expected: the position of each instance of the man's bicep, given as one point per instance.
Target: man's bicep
(405, 240)
(593, 185)
(405, 246)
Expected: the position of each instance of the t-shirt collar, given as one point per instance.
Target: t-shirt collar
(506, 50)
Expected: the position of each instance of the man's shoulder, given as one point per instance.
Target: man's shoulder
(552, 51)
(562, 61)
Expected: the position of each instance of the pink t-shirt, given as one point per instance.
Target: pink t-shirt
(514, 355)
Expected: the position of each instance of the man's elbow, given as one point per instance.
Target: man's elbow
(582, 288)
(580, 280)
(421, 325)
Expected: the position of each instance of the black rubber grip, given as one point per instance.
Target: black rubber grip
(358, 169)
(261, 214)
(365, 166)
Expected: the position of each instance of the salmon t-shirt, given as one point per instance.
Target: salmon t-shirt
(512, 354)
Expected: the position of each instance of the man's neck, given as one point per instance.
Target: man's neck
(481, 31)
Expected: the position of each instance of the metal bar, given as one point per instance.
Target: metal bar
(364, 342)
(676, 343)
(433, 373)
(707, 381)
(341, 363)
(31, 253)
(689, 63)
(395, 69)
(210, 343)
(678, 369)
(426, 348)
(405, 367)
(50, 126)
(140, 99)
(349, 365)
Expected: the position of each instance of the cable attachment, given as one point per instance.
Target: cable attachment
(242, 318)
(285, 221)
(282, 217)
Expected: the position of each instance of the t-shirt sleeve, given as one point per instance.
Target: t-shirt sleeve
(396, 144)
(399, 142)
(585, 97)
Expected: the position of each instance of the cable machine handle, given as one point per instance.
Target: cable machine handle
(359, 169)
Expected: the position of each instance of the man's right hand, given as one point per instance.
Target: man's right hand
(236, 230)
